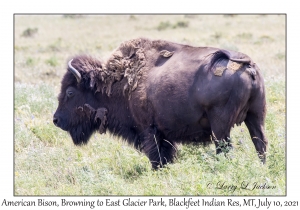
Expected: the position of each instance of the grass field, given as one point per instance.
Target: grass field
(47, 162)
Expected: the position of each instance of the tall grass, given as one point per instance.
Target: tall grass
(47, 162)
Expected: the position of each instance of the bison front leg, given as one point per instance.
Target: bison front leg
(159, 150)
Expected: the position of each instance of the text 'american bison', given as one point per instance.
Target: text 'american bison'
(155, 94)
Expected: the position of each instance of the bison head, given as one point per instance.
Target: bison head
(78, 110)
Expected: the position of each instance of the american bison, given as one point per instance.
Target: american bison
(155, 94)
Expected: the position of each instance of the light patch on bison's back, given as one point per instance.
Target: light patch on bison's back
(166, 53)
(231, 65)
(219, 70)
(234, 66)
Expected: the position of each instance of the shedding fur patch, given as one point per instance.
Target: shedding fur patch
(100, 114)
(166, 53)
(129, 61)
(234, 66)
(219, 70)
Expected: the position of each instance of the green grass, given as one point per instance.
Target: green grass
(167, 25)
(52, 61)
(47, 162)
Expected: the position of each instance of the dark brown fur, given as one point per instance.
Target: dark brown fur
(155, 94)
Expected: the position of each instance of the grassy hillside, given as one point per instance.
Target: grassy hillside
(47, 162)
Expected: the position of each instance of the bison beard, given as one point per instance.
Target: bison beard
(155, 94)
(82, 133)
(93, 119)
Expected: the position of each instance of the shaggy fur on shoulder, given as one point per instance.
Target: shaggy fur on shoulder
(129, 61)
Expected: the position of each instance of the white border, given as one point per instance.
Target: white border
(6, 85)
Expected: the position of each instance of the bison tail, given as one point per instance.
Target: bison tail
(223, 59)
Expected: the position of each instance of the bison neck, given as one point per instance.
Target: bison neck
(119, 117)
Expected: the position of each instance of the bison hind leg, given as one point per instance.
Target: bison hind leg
(221, 124)
(223, 145)
(255, 122)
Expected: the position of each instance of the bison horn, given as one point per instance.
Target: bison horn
(74, 71)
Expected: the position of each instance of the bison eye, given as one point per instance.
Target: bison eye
(70, 93)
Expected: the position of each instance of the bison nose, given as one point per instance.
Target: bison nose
(55, 121)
